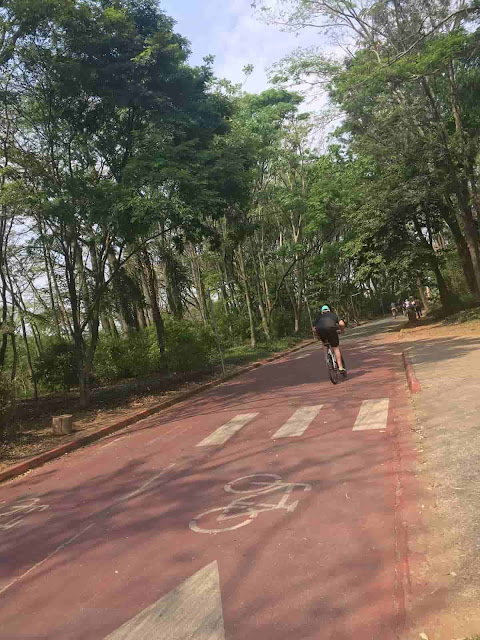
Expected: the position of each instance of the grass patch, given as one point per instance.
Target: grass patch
(243, 354)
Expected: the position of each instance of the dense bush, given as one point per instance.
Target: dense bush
(56, 367)
(232, 328)
(126, 357)
(188, 345)
(283, 323)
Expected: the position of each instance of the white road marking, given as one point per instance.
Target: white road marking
(124, 498)
(297, 424)
(109, 444)
(373, 414)
(22, 507)
(225, 432)
(35, 566)
(244, 510)
(141, 489)
(192, 610)
(304, 356)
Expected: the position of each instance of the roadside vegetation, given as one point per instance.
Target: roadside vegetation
(153, 215)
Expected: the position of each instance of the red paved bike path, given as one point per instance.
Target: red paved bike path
(122, 508)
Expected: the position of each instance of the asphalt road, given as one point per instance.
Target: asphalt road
(265, 508)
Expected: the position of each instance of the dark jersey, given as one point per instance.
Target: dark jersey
(327, 320)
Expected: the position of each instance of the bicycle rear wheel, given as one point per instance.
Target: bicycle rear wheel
(332, 367)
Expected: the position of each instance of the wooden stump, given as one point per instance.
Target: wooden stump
(62, 425)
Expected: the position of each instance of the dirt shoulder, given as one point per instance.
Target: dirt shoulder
(446, 552)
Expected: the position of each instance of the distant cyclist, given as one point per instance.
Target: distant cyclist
(326, 327)
(393, 309)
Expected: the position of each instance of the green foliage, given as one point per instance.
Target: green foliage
(233, 328)
(189, 346)
(135, 354)
(282, 323)
(56, 367)
(205, 187)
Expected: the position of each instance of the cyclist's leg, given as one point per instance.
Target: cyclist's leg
(338, 356)
(335, 344)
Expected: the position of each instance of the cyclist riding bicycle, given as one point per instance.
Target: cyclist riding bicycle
(326, 328)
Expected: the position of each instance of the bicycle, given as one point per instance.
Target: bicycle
(332, 364)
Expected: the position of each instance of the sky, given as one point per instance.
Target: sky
(229, 30)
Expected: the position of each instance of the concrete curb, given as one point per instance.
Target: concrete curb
(412, 380)
(82, 441)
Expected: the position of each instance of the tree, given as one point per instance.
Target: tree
(107, 88)
(405, 89)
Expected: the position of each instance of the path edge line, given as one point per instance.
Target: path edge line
(412, 380)
(38, 461)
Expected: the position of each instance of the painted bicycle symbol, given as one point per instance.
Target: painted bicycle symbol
(18, 512)
(244, 510)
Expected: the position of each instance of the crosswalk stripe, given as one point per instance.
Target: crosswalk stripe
(373, 414)
(298, 423)
(226, 431)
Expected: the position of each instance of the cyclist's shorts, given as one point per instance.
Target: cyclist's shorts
(329, 335)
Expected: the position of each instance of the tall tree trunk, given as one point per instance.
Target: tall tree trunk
(465, 257)
(151, 280)
(107, 324)
(251, 319)
(141, 317)
(225, 297)
(471, 237)
(90, 352)
(67, 325)
(199, 285)
(4, 232)
(13, 338)
(298, 303)
(123, 285)
(83, 377)
(422, 294)
(87, 350)
(47, 264)
(459, 185)
(144, 286)
(258, 286)
(71, 247)
(446, 297)
(17, 301)
(4, 324)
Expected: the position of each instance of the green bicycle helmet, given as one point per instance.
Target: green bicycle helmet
(325, 308)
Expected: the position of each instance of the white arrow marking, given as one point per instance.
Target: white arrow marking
(192, 611)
